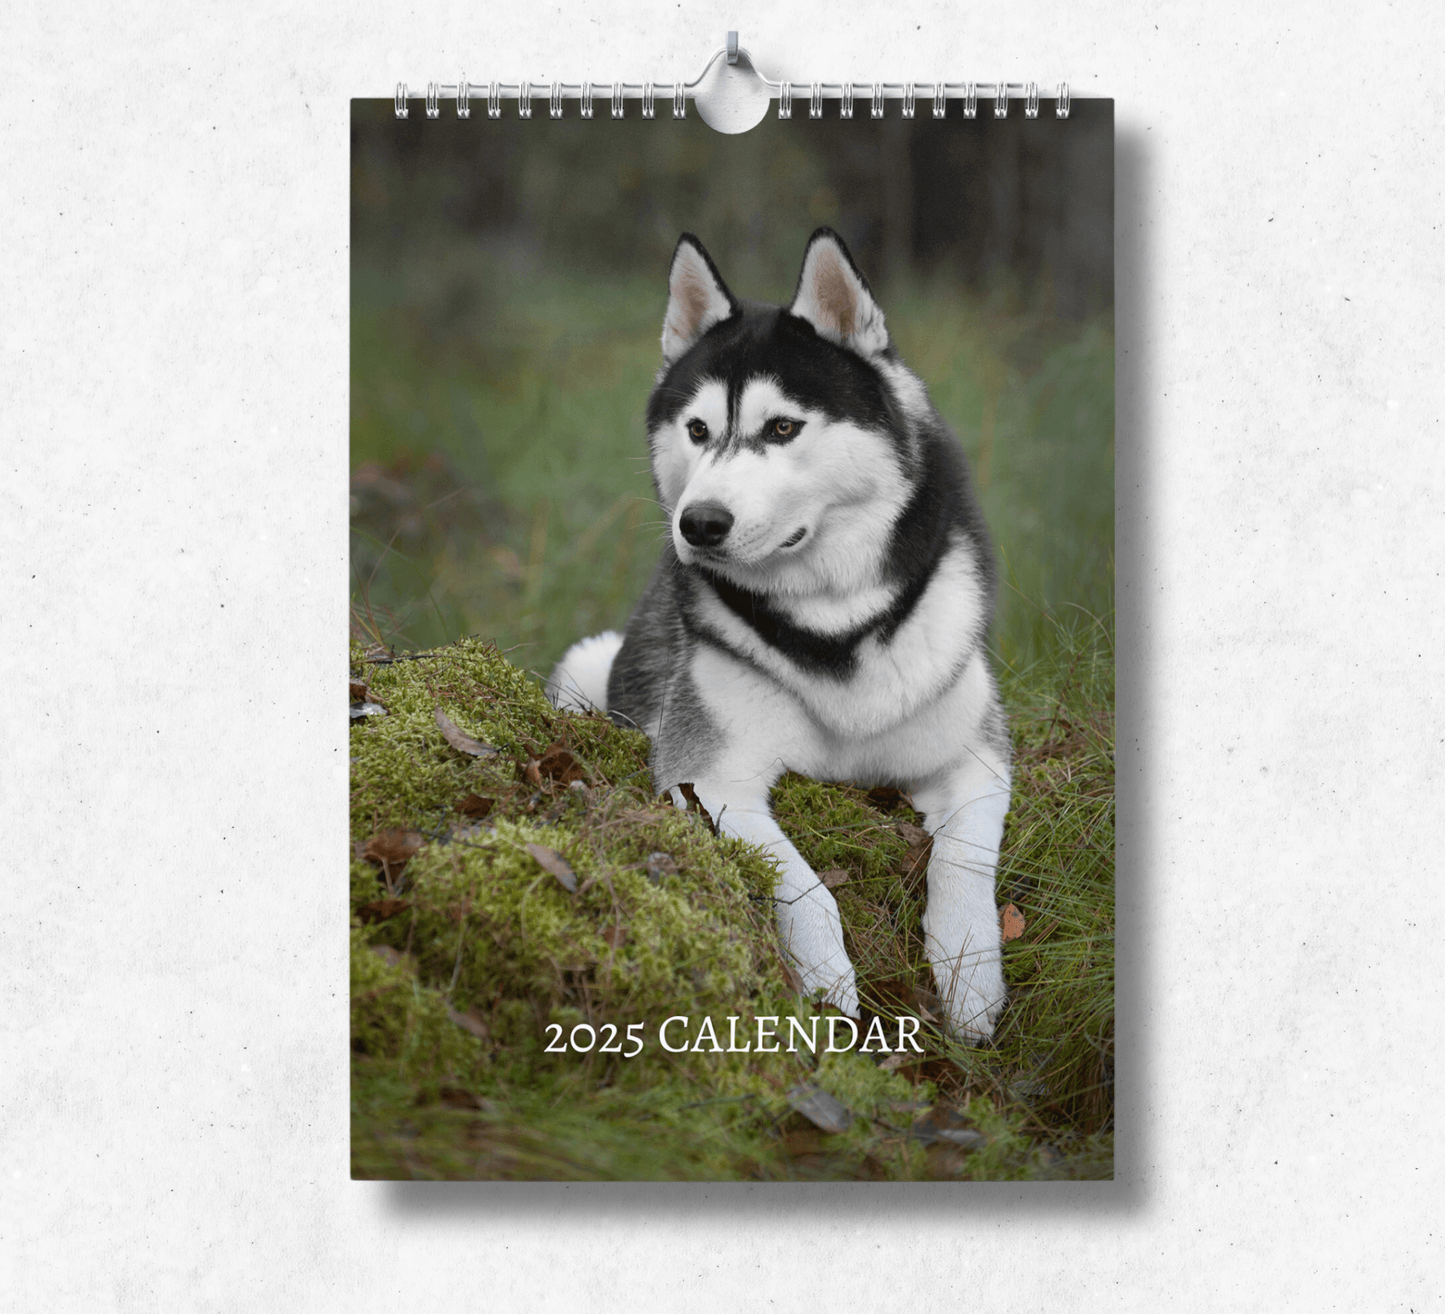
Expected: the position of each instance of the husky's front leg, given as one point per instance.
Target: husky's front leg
(965, 815)
(808, 918)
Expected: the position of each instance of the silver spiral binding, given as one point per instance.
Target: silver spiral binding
(737, 62)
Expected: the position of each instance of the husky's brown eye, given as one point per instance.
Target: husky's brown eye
(783, 429)
(697, 431)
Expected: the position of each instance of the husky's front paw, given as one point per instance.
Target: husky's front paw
(973, 993)
(813, 934)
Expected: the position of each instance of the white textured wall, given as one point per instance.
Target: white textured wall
(173, 382)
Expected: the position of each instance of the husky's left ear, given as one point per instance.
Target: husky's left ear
(697, 298)
(834, 297)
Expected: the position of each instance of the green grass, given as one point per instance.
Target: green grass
(499, 474)
(500, 489)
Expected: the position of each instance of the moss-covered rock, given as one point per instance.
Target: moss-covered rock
(519, 916)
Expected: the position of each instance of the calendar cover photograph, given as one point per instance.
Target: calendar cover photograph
(732, 645)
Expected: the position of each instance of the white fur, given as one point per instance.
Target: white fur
(965, 813)
(892, 681)
(675, 457)
(915, 712)
(839, 482)
(934, 753)
(909, 715)
(579, 681)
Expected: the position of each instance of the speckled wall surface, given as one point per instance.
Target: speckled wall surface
(173, 368)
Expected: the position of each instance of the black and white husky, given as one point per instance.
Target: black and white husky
(822, 605)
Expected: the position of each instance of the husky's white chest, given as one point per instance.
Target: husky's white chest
(905, 709)
(890, 677)
(765, 729)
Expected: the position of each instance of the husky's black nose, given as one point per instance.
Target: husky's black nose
(706, 524)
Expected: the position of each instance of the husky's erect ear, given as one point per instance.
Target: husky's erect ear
(697, 298)
(834, 297)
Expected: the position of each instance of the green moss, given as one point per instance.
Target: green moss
(404, 773)
(476, 959)
(833, 827)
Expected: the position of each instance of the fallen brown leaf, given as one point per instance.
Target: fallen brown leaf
(557, 763)
(929, 1005)
(552, 861)
(914, 836)
(358, 691)
(614, 935)
(459, 739)
(379, 910)
(474, 805)
(457, 1097)
(471, 1024)
(530, 773)
(391, 849)
(947, 1125)
(920, 847)
(833, 877)
(820, 1108)
(885, 798)
(1011, 922)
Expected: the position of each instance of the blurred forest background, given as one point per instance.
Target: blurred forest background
(507, 294)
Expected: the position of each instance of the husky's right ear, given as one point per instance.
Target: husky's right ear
(697, 298)
(835, 299)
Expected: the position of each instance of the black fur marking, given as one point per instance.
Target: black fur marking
(766, 341)
(834, 655)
